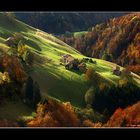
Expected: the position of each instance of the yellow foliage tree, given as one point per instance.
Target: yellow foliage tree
(22, 50)
(4, 78)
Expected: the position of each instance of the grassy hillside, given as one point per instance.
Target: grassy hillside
(76, 34)
(54, 80)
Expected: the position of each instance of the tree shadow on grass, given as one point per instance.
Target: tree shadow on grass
(76, 71)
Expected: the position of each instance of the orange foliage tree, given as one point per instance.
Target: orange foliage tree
(134, 68)
(12, 65)
(53, 114)
(128, 117)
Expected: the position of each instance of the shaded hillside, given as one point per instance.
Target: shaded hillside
(62, 22)
(117, 40)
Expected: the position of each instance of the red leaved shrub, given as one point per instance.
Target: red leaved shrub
(128, 117)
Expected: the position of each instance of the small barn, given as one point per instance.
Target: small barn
(72, 63)
(67, 58)
(10, 41)
(117, 71)
(82, 67)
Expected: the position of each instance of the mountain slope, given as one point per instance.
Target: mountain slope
(116, 40)
(54, 80)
